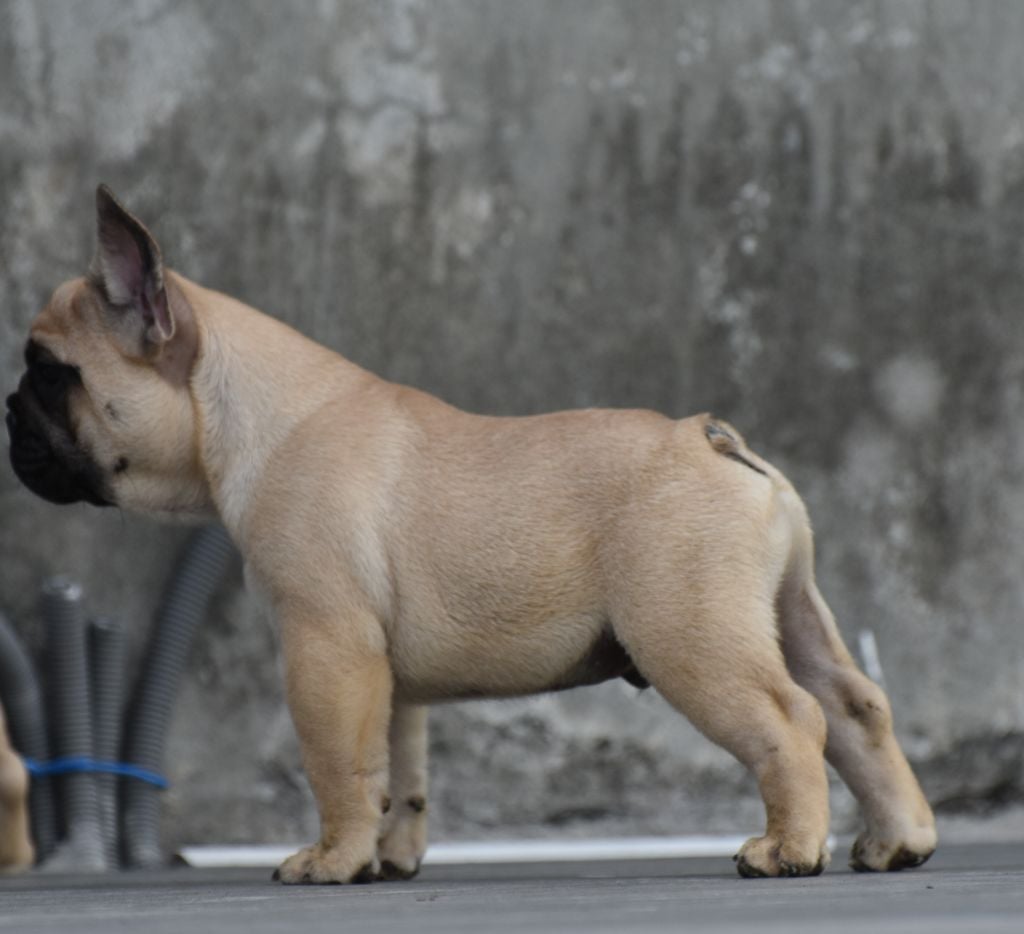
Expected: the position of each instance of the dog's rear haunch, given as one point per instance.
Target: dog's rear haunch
(415, 553)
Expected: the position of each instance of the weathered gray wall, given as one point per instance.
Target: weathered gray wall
(806, 217)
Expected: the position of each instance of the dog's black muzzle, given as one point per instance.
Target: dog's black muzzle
(45, 457)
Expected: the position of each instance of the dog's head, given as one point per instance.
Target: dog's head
(103, 412)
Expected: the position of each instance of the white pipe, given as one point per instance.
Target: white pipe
(500, 851)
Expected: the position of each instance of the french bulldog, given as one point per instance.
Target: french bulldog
(415, 553)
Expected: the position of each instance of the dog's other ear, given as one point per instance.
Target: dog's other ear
(128, 268)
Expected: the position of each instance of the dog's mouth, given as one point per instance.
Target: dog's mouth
(47, 461)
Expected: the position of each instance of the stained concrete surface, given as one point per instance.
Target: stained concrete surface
(975, 889)
(805, 217)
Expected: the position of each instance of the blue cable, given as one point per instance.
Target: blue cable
(67, 765)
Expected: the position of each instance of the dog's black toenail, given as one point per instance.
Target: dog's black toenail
(363, 875)
(905, 859)
(390, 872)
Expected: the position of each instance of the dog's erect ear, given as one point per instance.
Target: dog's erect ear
(128, 268)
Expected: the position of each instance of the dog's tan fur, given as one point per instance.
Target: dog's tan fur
(415, 553)
(16, 850)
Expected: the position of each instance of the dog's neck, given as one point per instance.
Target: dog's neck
(242, 371)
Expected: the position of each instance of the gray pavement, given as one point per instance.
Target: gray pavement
(971, 889)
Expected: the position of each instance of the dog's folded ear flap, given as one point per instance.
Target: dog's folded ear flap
(128, 268)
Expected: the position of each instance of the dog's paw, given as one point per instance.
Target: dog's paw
(871, 854)
(403, 843)
(319, 865)
(768, 856)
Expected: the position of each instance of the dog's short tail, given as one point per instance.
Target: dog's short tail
(728, 442)
(793, 525)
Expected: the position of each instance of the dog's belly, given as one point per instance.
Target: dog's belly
(442, 664)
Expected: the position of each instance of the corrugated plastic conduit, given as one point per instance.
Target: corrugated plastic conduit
(86, 664)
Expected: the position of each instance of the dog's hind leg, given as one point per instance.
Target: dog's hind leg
(861, 744)
(719, 664)
(404, 829)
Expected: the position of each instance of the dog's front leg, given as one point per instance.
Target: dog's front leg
(339, 686)
(404, 831)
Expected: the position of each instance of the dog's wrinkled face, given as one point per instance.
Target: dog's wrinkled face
(44, 452)
(103, 413)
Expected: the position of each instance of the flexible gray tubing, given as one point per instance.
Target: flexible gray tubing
(72, 724)
(204, 562)
(106, 670)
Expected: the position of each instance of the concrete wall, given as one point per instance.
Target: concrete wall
(806, 217)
